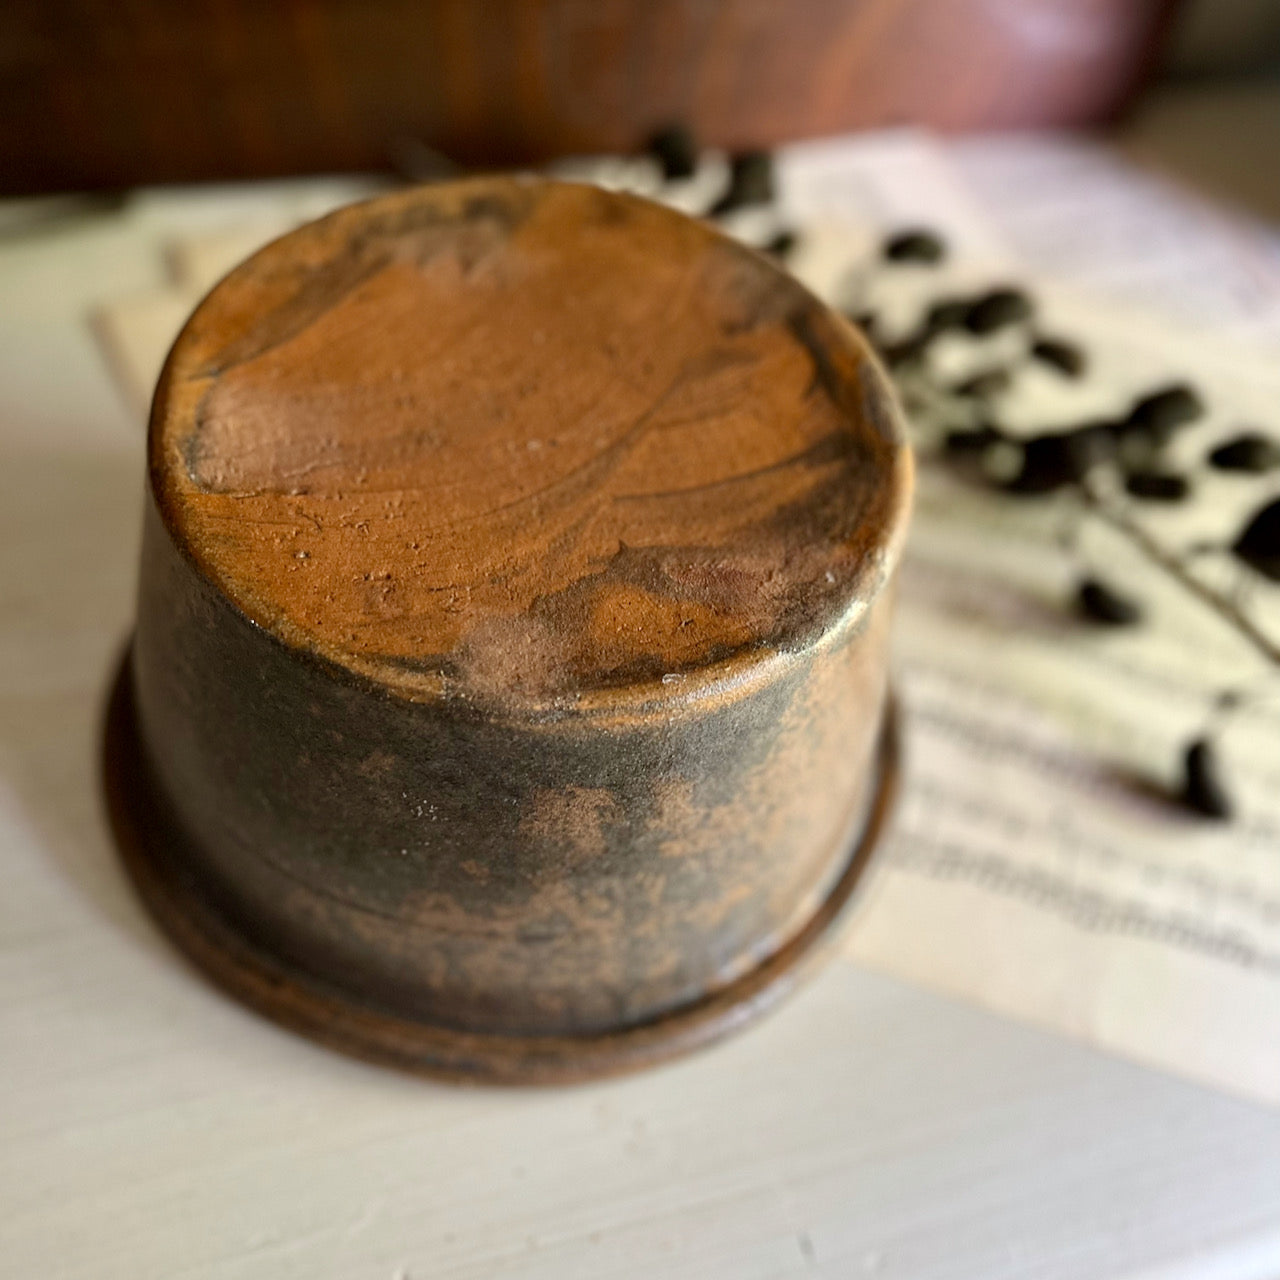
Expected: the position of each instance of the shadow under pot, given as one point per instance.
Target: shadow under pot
(508, 693)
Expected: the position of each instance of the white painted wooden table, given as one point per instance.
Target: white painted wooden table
(148, 1127)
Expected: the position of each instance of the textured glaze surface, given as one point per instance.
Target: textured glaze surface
(505, 741)
(558, 876)
(524, 440)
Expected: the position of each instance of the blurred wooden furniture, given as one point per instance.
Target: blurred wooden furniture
(157, 91)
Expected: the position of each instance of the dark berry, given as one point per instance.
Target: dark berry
(1250, 451)
(990, 382)
(676, 151)
(1157, 486)
(1048, 463)
(907, 349)
(750, 182)
(864, 320)
(1067, 358)
(948, 313)
(997, 310)
(970, 442)
(1100, 603)
(1202, 789)
(917, 245)
(1057, 459)
(943, 315)
(782, 244)
(1160, 414)
(1259, 543)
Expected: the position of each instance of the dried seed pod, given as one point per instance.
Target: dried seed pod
(1157, 486)
(1066, 357)
(750, 182)
(1251, 451)
(781, 244)
(971, 442)
(1158, 415)
(896, 354)
(997, 310)
(676, 151)
(982, 315)
(1258, 545)
(1101, 603)
(1202, 789)
(916, 245)
(943, 315)
(1057, 459)
(947, 313)
(1048, 463)
(990, 382)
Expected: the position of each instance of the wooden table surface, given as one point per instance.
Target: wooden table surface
(149, 1127)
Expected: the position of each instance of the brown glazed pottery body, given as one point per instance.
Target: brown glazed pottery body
(508, 695)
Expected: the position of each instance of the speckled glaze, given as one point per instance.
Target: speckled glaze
(509, 677)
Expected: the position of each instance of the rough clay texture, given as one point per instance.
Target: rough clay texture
(524, 441)
(564, 876)
(511, 646)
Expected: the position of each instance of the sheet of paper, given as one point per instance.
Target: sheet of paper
(1038, 865)
(886, 181)
(1076, 211)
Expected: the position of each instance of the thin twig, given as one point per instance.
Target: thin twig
(1220, 604)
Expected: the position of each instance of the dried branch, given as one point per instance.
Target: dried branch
(1225, 608)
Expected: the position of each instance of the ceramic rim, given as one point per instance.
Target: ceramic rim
(303, 1004)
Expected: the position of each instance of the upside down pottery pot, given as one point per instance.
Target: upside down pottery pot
(508, 695)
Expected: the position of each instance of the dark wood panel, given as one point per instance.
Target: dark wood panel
(100, 94)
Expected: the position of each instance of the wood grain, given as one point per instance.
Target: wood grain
(165, 92)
